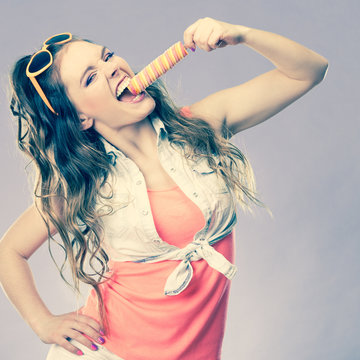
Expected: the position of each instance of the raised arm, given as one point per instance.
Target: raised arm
(21, 240)
(298, 69)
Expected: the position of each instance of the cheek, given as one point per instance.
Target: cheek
(94, 102)
(126, 67)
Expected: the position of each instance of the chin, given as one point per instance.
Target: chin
(148, 103)
(144, 109)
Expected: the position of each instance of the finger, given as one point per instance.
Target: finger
(214, 40)
(90, 322)
(69, 347)
(201, 38)
(82, 339)
(189, 34)
(88, 331)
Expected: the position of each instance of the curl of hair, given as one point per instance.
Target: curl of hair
(72, 166)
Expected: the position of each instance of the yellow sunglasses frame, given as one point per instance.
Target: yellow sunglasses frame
(32, 75)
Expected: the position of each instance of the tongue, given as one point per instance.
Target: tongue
(127, 96)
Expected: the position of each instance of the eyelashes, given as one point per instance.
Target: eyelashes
(109, 55)
(89, 80)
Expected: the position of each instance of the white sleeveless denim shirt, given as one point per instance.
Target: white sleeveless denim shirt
(130, 233)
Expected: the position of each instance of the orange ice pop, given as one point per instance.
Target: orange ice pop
(156, 68)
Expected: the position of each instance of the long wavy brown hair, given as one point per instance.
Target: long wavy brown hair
(72, 166)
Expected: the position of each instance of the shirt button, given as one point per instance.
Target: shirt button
(156, 241)
(172, 169)
(145, 212)
(139, 182)
(195, 194)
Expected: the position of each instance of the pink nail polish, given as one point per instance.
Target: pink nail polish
(101, 340)
(101, 333)
(192, 49)
(94, 347)
(79, 352)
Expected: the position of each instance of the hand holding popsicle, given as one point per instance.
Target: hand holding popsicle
(208, 34)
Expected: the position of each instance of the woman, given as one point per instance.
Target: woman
(142, 193)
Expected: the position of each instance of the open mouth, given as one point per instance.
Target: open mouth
(123, 93)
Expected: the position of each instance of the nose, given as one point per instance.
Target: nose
(111, 70)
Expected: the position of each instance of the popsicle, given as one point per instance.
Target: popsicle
(156, 68)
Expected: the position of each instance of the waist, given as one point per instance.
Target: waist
(225, 246)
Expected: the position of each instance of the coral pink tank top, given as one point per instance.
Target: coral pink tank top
(144, 323)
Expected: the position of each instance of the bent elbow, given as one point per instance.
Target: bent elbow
(321, 72)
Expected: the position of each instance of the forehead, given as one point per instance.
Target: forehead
(75, 58)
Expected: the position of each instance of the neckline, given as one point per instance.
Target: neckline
(175, 187)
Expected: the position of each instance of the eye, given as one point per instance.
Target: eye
(90, 79)
(109, 55)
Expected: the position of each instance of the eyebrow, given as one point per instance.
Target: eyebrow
(90, 67)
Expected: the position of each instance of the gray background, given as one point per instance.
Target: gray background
(296, 293)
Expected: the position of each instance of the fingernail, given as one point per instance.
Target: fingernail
(79, 352)
(192, 49)
(101, 340)
(94, 347)
(101, 333)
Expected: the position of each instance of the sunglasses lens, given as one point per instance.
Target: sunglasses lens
(57, 38)
(39, 61)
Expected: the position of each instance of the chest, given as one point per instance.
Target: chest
(130, 231)
(155, 176)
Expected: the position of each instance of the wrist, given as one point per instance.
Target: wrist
(242, 33)
(39, 321)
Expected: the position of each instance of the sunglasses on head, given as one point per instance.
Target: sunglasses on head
(42, 60)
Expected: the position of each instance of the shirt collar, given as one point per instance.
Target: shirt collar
(113, 152)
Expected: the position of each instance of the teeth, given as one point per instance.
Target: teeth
(137, 97)
(122, 87)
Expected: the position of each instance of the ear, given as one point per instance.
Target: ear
(86, 122)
